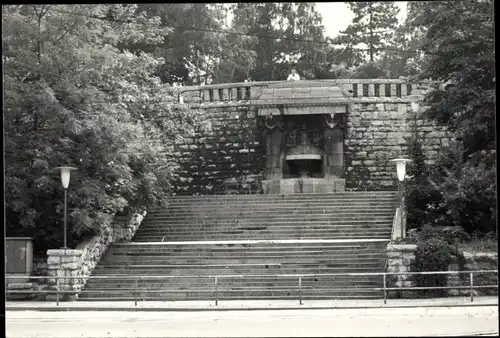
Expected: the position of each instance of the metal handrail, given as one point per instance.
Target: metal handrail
(217, 287)
(266, 275)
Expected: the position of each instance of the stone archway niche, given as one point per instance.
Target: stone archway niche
(304, 153)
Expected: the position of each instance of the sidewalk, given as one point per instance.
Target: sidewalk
(246, 305)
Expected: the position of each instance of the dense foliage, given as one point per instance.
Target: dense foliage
(460, 54)
(436, 250)
(423, 201)
(73, 97)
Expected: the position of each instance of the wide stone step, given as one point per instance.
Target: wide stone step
(149, 239)
(281, 198)
(241, 263)
(339, 201)
(348, 206)
(229, 236)
(204, 251)
(280, 202)
(208, 225)
(337, 195)
(192, 247)
(121, 261)
(292, 286)
(240, 295)
(252, 270)
(320, 214)
(259, 235)
(132, 257)
(176, 285)
(302, 208)
(342, 194)
(241, 226)
(279, 222)
(271, 229)
(174, 281)
(201, 218)
(317, 230)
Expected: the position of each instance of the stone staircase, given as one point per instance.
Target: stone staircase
(246, 240)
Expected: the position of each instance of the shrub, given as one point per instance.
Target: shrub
(435, 254)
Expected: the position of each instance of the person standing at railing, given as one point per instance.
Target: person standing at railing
(293, 76)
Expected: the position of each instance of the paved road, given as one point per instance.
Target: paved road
(258, 323)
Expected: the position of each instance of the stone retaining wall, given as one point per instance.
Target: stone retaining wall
(378, 132)
(76, 265)
(400, 256)
(474, 262)
(122, 229)
(228, 143)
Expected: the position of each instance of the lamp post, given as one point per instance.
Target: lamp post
(401, 173)
(65, 176)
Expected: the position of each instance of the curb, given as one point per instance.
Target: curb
(173, 309)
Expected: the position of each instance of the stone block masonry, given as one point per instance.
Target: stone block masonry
(477, 261)
(377, 132)
(69, 269)
(229, 144)
(399, 258)
(226, 145)
(63, 266)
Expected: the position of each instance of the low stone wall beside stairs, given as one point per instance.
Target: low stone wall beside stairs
(399, 258)
(77, 264)
(65, 265)
(475, 261)
(122, 229)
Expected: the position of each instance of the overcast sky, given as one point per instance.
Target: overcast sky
(337, 16)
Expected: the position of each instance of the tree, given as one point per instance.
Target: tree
(73, 96)
(194, 45)
(285, 35)
(423, 200)
(460, 53)
(373, 24)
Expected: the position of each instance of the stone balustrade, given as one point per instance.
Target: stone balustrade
(245, 93)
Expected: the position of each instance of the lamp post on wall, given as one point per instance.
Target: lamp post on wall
(65, 176)
(401, 173)
(415, 106)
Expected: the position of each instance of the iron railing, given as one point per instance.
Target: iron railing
(299, 278)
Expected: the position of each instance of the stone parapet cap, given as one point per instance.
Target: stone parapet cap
(64, 252)
(401, 247)
(480, 254)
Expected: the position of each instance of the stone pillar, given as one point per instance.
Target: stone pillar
(334, 148)
(273, 147)
(399, 258)
(64, 263)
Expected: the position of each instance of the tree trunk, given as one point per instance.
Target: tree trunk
(371, 37)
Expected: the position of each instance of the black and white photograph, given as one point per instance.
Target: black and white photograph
(258, 169)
